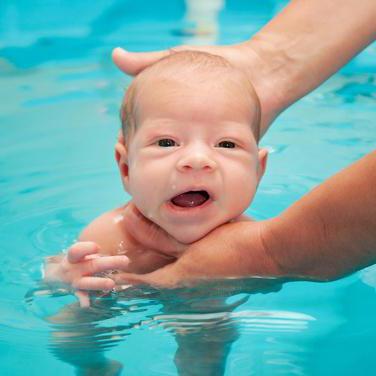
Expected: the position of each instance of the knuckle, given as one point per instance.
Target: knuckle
(91, 267)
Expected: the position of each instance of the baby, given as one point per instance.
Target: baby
(189, 158)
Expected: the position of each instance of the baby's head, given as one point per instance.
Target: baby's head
(189, 157)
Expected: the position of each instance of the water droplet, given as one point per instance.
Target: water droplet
(118, 218)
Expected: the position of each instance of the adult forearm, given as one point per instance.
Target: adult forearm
(331, 231)
(304, 45)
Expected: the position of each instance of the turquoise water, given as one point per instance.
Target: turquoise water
(60, 96)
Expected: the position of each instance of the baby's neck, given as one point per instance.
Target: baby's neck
(240, 218)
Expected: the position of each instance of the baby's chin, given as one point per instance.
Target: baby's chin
(189, 238)
(187, 234)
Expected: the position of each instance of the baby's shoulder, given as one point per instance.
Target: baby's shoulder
(106, 231)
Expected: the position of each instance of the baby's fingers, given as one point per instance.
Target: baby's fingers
(104, 264)
(93, 284)
(83, 298)
(78, 251)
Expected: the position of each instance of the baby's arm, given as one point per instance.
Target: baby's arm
(104, 245)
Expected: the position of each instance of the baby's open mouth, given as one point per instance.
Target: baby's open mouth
(191, 199)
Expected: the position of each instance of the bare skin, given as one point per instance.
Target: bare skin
(317, 238)
(327, 234)
(293, 54)
(333, 228)
(106, 245)
(290, 56)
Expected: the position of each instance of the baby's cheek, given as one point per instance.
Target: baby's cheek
(147, 201)
(139, 192)
(243, 191)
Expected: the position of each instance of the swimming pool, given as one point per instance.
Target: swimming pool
(60, 95)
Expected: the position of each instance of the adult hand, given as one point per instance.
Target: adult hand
(224, 253)
(291, 55)
(241, 55)
(328, 233)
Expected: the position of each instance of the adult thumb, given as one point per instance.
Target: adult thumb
(133, 63)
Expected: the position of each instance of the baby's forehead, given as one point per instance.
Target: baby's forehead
(192, 66)
(191, 72)
(181, 82)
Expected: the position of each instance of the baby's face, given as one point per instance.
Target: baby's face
(193, 163)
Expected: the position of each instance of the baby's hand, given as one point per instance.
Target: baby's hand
(79, 268)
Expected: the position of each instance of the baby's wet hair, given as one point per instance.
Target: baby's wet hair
(186, 65)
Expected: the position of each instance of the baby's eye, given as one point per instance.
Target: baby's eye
(226, 144)
(166, 142)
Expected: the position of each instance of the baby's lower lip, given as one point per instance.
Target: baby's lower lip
(187, 210)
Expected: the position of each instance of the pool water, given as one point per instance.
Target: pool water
(60, 96)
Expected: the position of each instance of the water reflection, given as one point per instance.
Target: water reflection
(202, 321)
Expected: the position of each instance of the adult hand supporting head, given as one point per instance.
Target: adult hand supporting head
(291, 55)
(240, 55)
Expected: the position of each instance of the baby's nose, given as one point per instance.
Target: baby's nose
(196, 161)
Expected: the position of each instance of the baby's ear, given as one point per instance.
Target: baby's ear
(121, 156)
(263, 158)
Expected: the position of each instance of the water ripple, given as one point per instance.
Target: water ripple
(274, 321)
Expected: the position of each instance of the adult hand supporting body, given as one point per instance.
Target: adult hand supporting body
(331, 231)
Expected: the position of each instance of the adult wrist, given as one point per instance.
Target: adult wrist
(296, 248)
(269, 71)
(281, 240)
(272, 246)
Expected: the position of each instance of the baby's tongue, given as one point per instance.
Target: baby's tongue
(190, 199)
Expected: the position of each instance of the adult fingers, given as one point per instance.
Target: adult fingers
(134, 62)
(94, 283)
(78, 251)
(132, 279)
(165, 277)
